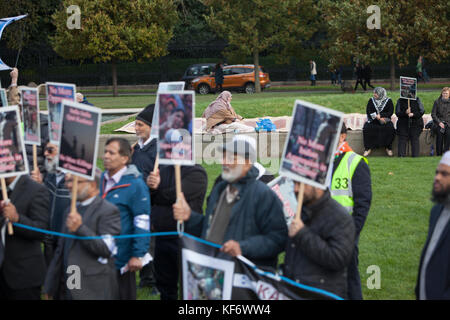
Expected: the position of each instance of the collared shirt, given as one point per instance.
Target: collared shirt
(111, 181)
(12, 185)
(231, 193)
(59, 176)
(141, 145)
(86, 202)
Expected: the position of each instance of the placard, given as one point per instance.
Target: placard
(12, 148)
(79, 133)
(56, 92)
(30, 116)
(311, 143)
(408, 88)
(176, 128)
(3, 98)
(284, 189)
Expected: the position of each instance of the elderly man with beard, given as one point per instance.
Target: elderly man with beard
(242, 214)
(433, 282)
(60, 196)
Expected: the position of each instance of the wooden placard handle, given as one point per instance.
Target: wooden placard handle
(300, 201)
(178, 188)
(35, 166)
(156, 165)
(5, 198)
(73, 204)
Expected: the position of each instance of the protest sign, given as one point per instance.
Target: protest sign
(56, 92)
(408, 88)
(209, 274)
(3, 98)
(176, 128)
(311, 143)
(78, 139)
(30, 116)
(284, 189)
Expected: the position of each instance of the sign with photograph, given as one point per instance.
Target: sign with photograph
(3, 98)
(12, 148)
(56, 92)
(311, 143)
(408, 88)
(78, 142)
(284, 189)
(176, 128)
(30, 116)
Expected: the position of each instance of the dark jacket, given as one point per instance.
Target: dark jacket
(438, 270)
(60, 198)
(257, 220)
(194, 183)
(132, 197)
(93, 257)
(362, 192)
(441, 111)
(24, 264)
(144, 159)
(404, 122)
(367, 72)
(218, 75)
(318, 255)
(386, 113)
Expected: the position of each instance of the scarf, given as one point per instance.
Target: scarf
(380, 103)
(343, 148)
(221, 103)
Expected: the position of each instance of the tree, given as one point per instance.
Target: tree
(253, 26)
(115, 30)
(408, 29)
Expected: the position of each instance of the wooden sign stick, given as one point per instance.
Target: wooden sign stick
(73, 204)
(300, 201)
(35, 166)
(5, 198)
(156, 165)
(178, 187)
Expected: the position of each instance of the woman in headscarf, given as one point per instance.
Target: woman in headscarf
(220, 112)
(441, 119)
(379, 131)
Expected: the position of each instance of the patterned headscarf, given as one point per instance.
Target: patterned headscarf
(380, 103)
(220, 103)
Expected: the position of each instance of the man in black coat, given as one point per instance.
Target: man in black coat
(433, 280)
(22, 264)
(359, 77)
(321, 243)
(163, 194)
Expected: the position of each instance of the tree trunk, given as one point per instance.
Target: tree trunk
(392, 73)
(114, 78)
(256, 63)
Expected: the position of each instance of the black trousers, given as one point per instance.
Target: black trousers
(6, 293)
(363, 85)
(403, 140)
(354, 291)
(442, 141)
(147, 274)
(127, 285)
(367, 83)
(167, 267)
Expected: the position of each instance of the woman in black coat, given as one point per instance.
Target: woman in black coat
(409, 125)
(218, 77)
(379, 131)
(441, 119)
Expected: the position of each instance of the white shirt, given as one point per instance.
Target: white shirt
(86, 202)
(145, 143)
(111, 181)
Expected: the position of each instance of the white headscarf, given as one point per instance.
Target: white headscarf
(380, 103)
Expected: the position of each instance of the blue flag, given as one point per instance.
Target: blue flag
(3, 23)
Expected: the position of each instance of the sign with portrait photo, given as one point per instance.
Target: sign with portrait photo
(30, 115)
(284, 189)
(12, 148)
(176, 128)
(56, 92)
(3, 98)
(408, 88)
(79, 133)
(311, 143)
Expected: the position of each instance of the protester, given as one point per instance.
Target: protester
(352, 188)
(218, 77)
(321, 243)
(313, 72)
(92, 217)
(359, 77)
(433, 280)
(163, 192)
(367, 73)
(409, 125)
(59, 200)
(243, 214)
(441, 118)
(379, 131)
(22, 263)
(122, 185)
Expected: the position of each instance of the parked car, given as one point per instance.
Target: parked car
(235, 77)
(197, 70)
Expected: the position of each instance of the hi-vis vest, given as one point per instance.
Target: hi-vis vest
(341, 183)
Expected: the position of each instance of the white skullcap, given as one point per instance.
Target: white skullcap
(446, 159)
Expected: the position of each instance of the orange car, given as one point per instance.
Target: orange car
(235, 77)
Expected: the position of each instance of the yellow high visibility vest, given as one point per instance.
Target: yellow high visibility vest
(341, 182)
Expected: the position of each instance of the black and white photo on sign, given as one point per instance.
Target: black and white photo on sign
(310, 145)
(176, 128)
(408, 88)
(12, 148)
(56, 92)
(3, 98)
(79, 135)
(30, 115)
(284, 189)
(206, 277)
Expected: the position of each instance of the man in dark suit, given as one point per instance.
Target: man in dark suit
(93, 258)
(433, 281)
(22, 264)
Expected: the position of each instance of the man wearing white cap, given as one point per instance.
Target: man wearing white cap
(433, 282)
